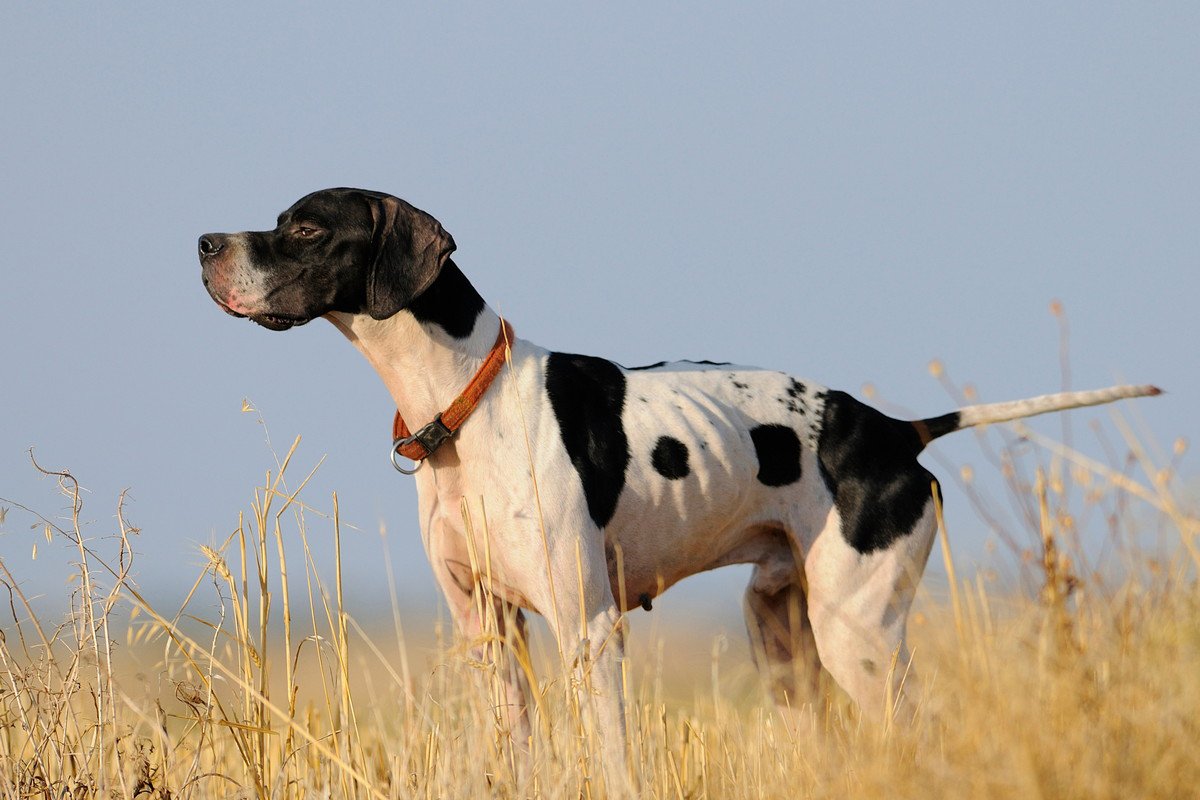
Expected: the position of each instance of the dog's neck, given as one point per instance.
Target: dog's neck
(427, 353)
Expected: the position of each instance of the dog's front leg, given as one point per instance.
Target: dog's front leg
(603, 679)
(590, 631)
(482, 621)
(494, 632)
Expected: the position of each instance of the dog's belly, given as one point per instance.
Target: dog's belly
(652, 545)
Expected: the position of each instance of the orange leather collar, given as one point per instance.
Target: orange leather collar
(418, 446)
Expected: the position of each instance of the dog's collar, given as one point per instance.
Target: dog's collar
(418, 446)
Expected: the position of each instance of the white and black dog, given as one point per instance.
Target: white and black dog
(616, 482)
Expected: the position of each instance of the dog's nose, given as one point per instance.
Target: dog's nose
(211, 244)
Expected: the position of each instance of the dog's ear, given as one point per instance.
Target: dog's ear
(409, 248)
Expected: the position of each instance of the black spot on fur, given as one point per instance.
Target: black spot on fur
(655, 365)
(706, 362)
(792, 405)
(670, 458)
(792, 402)
(869, 463)
(778, 451)
(450, 301)
(587, 395)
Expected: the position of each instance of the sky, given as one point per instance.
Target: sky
(843, 191)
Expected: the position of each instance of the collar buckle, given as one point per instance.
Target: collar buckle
(433, 435)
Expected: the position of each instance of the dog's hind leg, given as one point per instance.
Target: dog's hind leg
(781, 637)
(858, 607)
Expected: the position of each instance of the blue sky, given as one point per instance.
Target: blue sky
(844, 191)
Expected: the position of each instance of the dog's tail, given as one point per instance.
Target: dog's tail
(970, 416)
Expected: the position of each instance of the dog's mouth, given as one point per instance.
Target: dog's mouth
(272, 322)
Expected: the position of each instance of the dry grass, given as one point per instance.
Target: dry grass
(1073, 679)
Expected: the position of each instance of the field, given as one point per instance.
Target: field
(1064, 674)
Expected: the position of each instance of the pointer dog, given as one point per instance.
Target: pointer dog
(644, 475)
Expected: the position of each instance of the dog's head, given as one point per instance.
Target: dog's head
(348, 250)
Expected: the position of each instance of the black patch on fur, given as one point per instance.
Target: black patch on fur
(869, 464)
(587, 395)
(778, 451)
(708, 363)
(450, 301)
(670, 458)
(655, 365)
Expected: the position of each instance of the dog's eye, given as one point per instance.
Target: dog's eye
(305, 231)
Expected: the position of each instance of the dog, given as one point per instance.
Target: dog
(604, 485)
